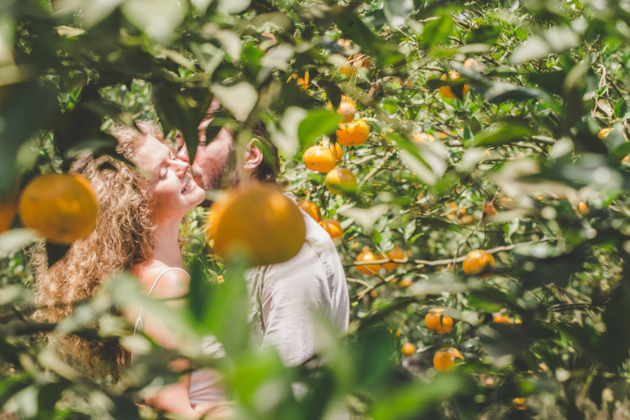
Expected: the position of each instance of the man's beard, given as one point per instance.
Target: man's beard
(227, 178)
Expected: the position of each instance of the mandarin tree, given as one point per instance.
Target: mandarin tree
(498, 158)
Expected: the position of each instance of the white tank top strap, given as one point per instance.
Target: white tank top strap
(139, 326)
(166, 270)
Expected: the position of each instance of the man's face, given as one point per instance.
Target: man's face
(215, 161)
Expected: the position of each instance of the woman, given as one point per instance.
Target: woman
(138, 231)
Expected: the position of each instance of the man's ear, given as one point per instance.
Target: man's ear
(253, 155)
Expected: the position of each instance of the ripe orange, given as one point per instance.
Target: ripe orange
(423, 137)
(504, 319)
(340, 180)
(319, 158)
(444, 359)
(603, 133)
(438, 322)
(367, 255)
(303, 83)
(395, 254)
(8, 208)
(520, 403)
(488, 209)
(346, 110)
(582, 208)
(406, 282)
(408, 349)
(258, 221)
(456, 91)
(353, 133)
(335, 148)
(311, 209)
(62, 207)
(478, 262)
(333, 228)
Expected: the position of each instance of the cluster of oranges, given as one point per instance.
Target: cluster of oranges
(367, 255)
(324, 157)
(62, 208)
(331, 226)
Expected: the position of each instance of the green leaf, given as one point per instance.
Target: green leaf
(503, 133)
(156, 18)
(317, 123)
(18, 105)
(501, 92)
(436, 31)
(621, 108)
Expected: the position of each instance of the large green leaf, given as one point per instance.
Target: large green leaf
(317, 122)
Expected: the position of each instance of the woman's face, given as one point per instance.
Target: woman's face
(171, 180)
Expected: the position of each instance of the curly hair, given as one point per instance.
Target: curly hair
(123, 236)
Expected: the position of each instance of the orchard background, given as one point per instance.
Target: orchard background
(545, 335)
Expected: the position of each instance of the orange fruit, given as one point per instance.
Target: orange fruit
(488, 209)
(444, 359)
(335, 148)
(520, 403)
(478, 262)
(406, 282)
(502, 319)
(303, 83)
(423, 137)
(62, 207)
(346, 110)
(360, 60)
(436, 321)
(367, 255)
(8, 208)
(340, 180)
(310, 208)
(319, 158)
(353, 133)
(408, 349)
(456, 91)
(582, 208)
(395, 254)
(603, 133)
(333, 228)
(258, 221)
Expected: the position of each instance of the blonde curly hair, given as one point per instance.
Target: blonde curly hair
(123, 236)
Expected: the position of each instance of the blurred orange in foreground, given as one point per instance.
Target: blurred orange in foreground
(259, 222)
(62, 207)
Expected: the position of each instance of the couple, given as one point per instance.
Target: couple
(138, 230)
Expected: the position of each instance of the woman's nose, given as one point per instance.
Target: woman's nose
(180, 166)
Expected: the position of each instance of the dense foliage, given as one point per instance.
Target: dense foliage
(514, 167)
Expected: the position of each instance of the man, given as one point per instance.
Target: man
(285, 298)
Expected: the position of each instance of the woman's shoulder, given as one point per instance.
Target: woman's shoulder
(161, 280)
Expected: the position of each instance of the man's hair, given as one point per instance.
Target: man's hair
(268, 169)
